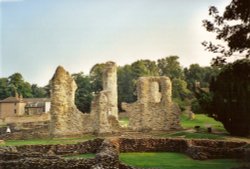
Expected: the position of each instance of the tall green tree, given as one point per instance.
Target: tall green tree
(96, 76)
(232, 28)
(203, 75)
(230, 95)
(180, 90)
(17, 84)
(5, 90)
(128, 76)
(83, 95)
(38, 92)
(170, 66)
(126, 85)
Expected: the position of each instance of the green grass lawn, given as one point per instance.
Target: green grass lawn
(174, 161)
(80, 156)
(203, 121)
(47, 141)
(198, 135)
(200, 120)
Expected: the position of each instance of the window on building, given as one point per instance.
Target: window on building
(15, 111)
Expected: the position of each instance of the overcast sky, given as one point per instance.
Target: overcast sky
(39, 35)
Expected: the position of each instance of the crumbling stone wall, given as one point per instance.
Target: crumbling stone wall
(99, 112)
(104, 109)
(66, 119)
(154, 109)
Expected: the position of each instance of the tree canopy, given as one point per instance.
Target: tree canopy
(16, 84)
(230, 102)
(232, 28)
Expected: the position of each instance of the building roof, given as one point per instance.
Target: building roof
(36, 100)
(11, 100)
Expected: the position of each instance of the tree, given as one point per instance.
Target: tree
(230, 101)
(38, 92)
(96, 76)
(4, 88)
(232, 28)
(17, 84)
(83, 95)
(170, 66)
(180, 89)
(128, 76)
(203, 75)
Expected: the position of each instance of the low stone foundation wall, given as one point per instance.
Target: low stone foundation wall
(107, 152)
(45, 117)
(25, 130)
(91, 146)
(23, 157)
(196, 149)
(152, 145)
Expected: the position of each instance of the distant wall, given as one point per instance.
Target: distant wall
(27, 119)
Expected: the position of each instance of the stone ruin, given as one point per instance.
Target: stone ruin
(107, 152)
(66, 119)
(154, 108)
(110, 84)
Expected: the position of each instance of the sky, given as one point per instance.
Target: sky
(38, 35)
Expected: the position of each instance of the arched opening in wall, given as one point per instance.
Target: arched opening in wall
(155, 92)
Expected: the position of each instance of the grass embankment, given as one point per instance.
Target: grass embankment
(203, 121)
(218, 131)
(47, 141)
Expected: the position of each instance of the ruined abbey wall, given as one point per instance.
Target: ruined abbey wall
(66, 119)
(154, 109)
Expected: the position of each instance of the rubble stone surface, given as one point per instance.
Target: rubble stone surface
(154, 109)
(65, 117)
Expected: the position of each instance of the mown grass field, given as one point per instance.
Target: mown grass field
(47, 141)
(169, 161)
(218, 131)
(175, 161)
(203, 121)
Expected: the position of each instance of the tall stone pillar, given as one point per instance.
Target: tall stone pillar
(110, 84)
(65, 117)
